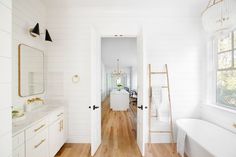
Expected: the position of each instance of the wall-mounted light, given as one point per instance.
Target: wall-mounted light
(47, 36)
(34, 32)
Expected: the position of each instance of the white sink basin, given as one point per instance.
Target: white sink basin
(20, 118)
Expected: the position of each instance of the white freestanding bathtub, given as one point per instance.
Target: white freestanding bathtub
(205, 139)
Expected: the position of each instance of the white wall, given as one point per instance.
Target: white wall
(180, 43)
(6, 78)
(26, 13)
(219, 116)
(70, 55)
(174, 38)
(133, 78)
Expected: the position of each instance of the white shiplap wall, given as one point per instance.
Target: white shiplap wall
(176, 39)
(180, 43)
(222, 117)
(70, 55)
(6, 77)
(26, 13)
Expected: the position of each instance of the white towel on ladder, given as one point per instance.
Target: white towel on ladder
(181, 136)
(156, 97)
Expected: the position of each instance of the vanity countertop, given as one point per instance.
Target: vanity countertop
(33, 117)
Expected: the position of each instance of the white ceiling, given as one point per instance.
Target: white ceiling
(196, 5)
(124, 49)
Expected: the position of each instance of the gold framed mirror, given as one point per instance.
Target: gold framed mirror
(30, 71)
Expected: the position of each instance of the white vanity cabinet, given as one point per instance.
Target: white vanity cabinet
(56, 132)
(38, 145)
(19, 152)
(18, 142)
(44, 137)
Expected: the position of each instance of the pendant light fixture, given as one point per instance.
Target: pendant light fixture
(117, 72)
(34, 32)
(219, 15)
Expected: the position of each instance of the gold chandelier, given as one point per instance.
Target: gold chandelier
(117, 72)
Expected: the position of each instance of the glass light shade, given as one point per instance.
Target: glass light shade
(219, 16)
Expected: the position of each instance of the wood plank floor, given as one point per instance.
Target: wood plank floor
(118, 139)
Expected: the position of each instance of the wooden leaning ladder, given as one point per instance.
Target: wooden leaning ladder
(150, 103)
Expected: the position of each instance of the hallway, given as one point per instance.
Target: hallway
(118, 134)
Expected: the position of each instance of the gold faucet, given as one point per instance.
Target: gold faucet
(30, 101)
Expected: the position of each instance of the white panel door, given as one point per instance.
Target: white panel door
(95, 105)
(142, 95)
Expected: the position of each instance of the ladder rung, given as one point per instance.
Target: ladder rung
(154, 116)
(158, 72)
(160, 131)
(164, 86)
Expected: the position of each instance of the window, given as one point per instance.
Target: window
(226, 71)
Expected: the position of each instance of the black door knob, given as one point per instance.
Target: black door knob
(140, 107)
(95, 107)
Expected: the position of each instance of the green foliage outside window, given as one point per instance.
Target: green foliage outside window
(226, 73)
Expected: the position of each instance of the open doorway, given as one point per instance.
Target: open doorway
(134, 143)
(119, 61)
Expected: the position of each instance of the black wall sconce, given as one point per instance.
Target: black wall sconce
(47, 36)
(34, 32)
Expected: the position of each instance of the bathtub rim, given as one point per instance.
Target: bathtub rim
(178, 124)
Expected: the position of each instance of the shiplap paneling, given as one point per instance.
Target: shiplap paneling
(5, 46)
(26, 14)
(6, 78)
(5, 22)
(70, 55)
(5, 118)
(219, 116)
(177, 41)
(5, 92)
(5, 68)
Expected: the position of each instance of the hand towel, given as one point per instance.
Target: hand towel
(181, 136)
(156, 97)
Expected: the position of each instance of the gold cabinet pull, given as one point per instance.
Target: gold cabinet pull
(35, 130)
(36, 146)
